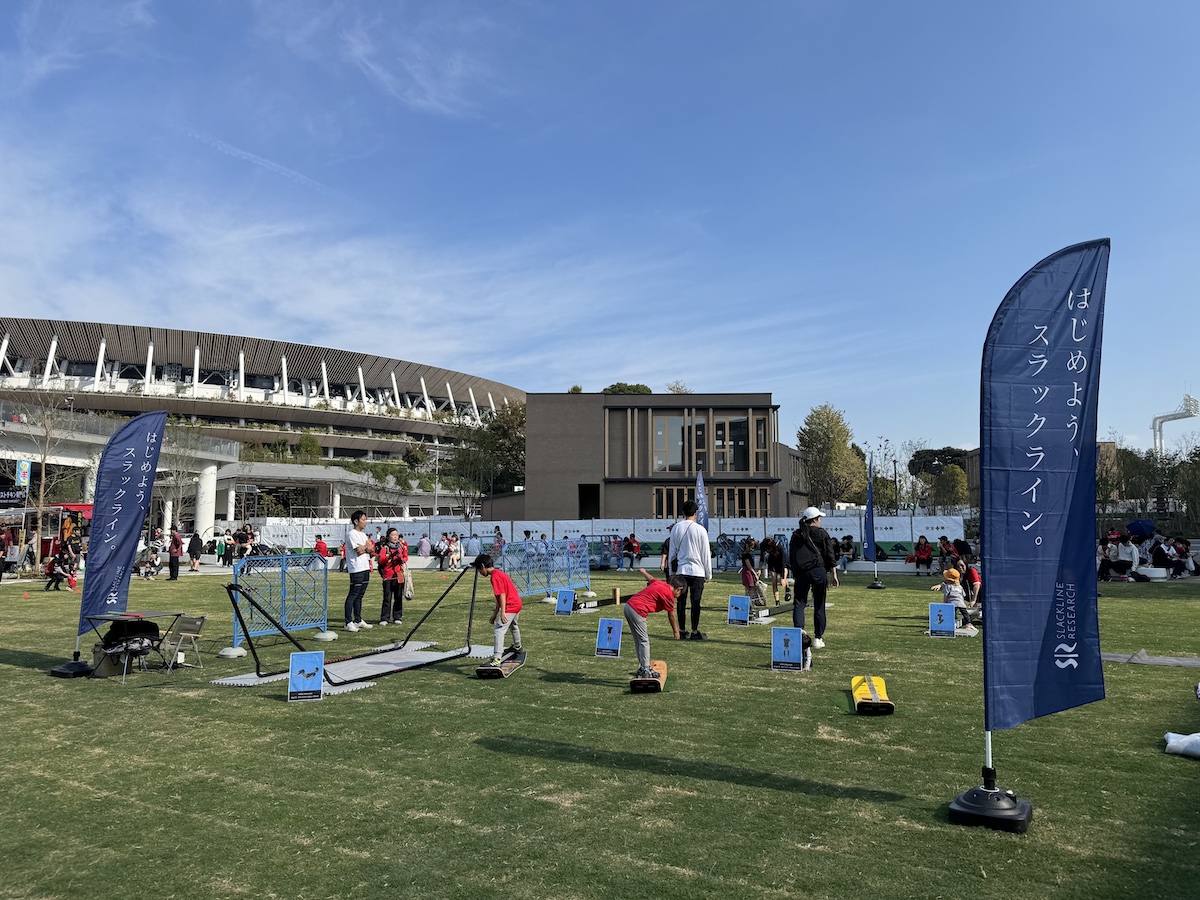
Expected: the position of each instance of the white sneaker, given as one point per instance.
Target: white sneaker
(397, 622)
(818, 644)
(382, 622)
(364, 625)
(350, 626)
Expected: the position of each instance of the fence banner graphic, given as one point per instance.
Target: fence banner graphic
(124, 483)
(1039, 392)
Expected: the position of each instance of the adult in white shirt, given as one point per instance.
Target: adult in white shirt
(1127, 556)
(691, 558)
(359, 549)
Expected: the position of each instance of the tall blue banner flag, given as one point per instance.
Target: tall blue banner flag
(701, 501)
(1039, 392)
(124, 483)
(869, 518)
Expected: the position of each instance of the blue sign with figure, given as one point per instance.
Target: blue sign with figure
(24, 467)
(787, 650)
(608, 637)
(305, 674)
(565, 605)
(739, 610)
(941, 620)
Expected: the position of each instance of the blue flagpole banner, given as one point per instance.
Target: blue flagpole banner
(869, 518)
(1039, 393)
(124, 483)
(701, 501)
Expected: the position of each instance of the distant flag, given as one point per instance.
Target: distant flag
(701, 501)
(869, 518)
(1039, 392)
(124, 483)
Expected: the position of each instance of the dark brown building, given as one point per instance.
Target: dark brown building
(637, 455)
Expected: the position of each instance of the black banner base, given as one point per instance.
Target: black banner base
(76, 669)
(989, 807)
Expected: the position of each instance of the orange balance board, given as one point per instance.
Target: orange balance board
(650, 685)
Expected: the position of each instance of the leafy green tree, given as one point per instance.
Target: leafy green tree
(621, 387)
(950, 488)
(833, 467)
(308, 449)
(575, 389)
(933, 461)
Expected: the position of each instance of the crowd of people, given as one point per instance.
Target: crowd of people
(1120, 555)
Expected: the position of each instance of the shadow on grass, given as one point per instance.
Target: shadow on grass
(576, 678)
(681, 768)
(24, 659)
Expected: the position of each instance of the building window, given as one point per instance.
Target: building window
(668, 501)
(731, 444)
(762, 462)
(669, 444)
(700, 442)
(741, 502)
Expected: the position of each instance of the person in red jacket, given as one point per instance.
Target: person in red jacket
(320, 547)
(923, 556)
(392, 557)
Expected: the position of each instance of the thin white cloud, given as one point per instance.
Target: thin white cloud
(434, 61)
(53, 38)
(238, 153)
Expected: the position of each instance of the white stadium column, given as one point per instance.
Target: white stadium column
(148, 378)
(206, 501)
(325, 381)
(230, 505)
(99, 364)
(283, 367)
(196, 373)
(168, 515)
(241, 375)
(396, 391)
(50, 361)
(336, 512)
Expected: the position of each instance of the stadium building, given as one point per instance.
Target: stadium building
(311, 421)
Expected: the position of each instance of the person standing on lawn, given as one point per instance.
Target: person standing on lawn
(392, 556)
(691, 558)
(359, 550)
(813, 565)
(656, 596)
(508, 607)
(175, 553)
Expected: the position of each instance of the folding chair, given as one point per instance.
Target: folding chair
(186, 631)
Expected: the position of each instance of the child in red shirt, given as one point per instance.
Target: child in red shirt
(508, 607)
(656, 596)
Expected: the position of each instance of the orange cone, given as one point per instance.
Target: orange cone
(24, 596)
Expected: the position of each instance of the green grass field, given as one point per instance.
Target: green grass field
(734, 782)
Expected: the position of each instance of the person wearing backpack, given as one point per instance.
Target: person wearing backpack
(814, 566)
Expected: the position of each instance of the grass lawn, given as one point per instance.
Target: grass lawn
(734, 782)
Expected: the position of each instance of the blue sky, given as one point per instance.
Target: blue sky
(823, 200)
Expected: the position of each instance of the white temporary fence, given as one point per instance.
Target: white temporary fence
(480, 537)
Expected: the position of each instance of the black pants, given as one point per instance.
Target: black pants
(173, 565)
(393, 600)
(818, 580)
(354, 597)
(54, 582)
(694, 590)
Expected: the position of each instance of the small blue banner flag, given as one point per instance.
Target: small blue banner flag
(124, 483)
(869, 518)
(701, 501)
(1039, 393)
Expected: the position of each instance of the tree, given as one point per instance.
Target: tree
(575, 389)
(678, 387)
(179, 462)
(487, 458)
(933, 461)
(42, 425)
(308, 449)
(950, 488)
(833, 468)
(620, 387)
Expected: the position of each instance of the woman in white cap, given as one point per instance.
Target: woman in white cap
(813, 564)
